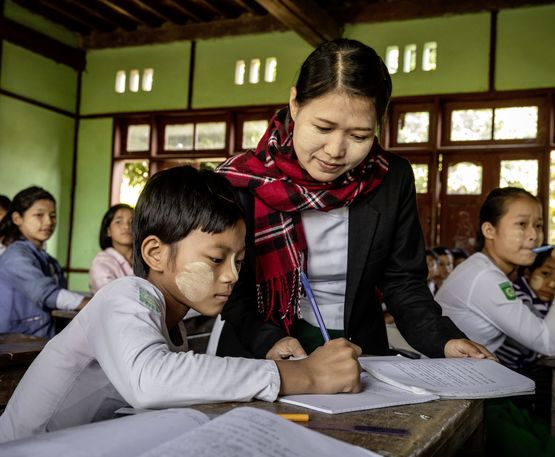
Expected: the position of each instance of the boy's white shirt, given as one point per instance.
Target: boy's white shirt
(117, 351)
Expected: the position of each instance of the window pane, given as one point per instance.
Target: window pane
(464, 178)
(471, 124)
(420, 171)
(138, 138)
(519, 173)
(252, 132)
(518, 122)
(210, 135)
(135, 175)
(178, 137)
(413, 127)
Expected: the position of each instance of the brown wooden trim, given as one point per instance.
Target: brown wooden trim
(492, 51)
(167, 34)
(306, 18)
(191, 74)
(42, 44)
(74, 167)
(75, 270)
(46, 106)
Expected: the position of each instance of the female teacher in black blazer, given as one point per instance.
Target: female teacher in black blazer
(322, 196)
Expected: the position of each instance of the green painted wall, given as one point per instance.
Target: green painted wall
(22, 16)
(36, 149)
(525, 48)
(36, 77)
(92, 191)
(463, 52)
(214, 84)
(171, 78)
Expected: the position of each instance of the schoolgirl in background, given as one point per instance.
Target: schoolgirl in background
(115, 239)
(31, 281)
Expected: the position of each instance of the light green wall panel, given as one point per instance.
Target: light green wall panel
(40, 24)
(525, 48)
(171, 78)
(214, 84)
(34, 76)
(463, 52)
(93, 188)
(36, 148)
(78, 282)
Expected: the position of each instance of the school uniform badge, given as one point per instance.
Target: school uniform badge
(148, 300)
(508, 290)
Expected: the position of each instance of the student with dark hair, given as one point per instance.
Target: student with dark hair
(115, 239)
(4, 208)
(459, 256)
(444, 265)
(128, 346)
(432, 264)
(479, 295)
(31, 281)
(323, 197)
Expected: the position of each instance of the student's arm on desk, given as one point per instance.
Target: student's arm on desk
(330, 369)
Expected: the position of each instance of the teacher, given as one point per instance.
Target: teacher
(321, 196)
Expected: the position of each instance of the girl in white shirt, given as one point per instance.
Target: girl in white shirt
(479, 296)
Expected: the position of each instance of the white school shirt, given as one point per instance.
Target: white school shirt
(117, 351)
(327, 238)
(480, 299)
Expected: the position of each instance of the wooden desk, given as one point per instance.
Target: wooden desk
(17, 351)
(438, 428)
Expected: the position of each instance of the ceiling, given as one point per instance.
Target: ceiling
(114, 23)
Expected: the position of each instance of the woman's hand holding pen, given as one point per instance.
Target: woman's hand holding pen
(285, 348)
(330, 369)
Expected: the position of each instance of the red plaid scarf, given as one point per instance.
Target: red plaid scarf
(282, 189)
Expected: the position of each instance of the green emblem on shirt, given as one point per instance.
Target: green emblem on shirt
(507, 289)
(148, 300)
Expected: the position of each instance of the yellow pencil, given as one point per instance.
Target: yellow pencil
(295, 417)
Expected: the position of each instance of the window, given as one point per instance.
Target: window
(120, 81)
(489, 124)
(130, 177)
(134, 80)
(179, 137)
(252, 132)
(409, 59)
(210, 135)
(138, 138)
(270, 70)
(519, 173)
(420, 171)
(254, 71)
(148, 79)
(429, 56)
(464, 178)
(392, 59)
(413, 127)
(240, 69)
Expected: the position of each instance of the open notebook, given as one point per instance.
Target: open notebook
(393, 381)
(186, 432)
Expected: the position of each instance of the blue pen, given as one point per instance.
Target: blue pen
(542, 249)
(315, 309)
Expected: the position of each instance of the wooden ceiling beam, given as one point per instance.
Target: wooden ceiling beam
(396, 10)
(305, 18)
(171, 12)
(167, 34)
(73, 11)
(41, 44)
(185, 10)
(54, 16)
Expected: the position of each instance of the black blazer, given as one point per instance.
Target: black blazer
(385, 251)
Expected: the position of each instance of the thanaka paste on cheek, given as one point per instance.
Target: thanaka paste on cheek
(536, 283)
(195, 281)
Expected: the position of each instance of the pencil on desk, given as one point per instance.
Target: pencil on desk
(298, 417)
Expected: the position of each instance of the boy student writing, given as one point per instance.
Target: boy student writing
(128, 345)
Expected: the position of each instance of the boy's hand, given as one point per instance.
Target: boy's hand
(466, 348)
(285, 348)
(330, 369)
